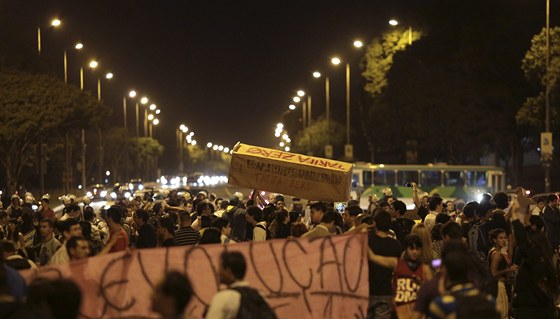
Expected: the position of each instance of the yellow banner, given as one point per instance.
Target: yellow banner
(307, 177)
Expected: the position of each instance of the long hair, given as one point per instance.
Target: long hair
(424, 233)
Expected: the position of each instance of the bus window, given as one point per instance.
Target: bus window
(454, 179)
(367, 178)
(384, 178)
(407, 176)
(431, 179)
(476, 179)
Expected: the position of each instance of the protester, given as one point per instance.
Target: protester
(69, 228)
(402, 225)
(118, 239)
(297, 225)
(409, 272)
(224, 227)
(501, 268)
(78, 248)
(146, 237)
(186, 235)
(13, 259)
(172, 295)
(232, 302)
(166, 232)
(49, 243)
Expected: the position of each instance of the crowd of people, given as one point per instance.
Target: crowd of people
(490, 259)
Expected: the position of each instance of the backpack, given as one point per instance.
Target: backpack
(252, 305)
(268, 234)
(478, 242)
(479, 305)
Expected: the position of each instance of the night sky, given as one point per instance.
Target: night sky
(226, 69)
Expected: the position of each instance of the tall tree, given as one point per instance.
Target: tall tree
(313, 139)
(35, 108)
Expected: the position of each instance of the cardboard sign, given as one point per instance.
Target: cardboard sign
(301, 278)
(303, 176)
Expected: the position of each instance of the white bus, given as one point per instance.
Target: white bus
(451, 182)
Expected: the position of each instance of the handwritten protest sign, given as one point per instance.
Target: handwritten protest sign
(298, 175)
(303, 278)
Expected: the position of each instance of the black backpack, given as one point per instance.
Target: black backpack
(252, 305)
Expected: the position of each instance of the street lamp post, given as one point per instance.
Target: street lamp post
(54, 23)
(77, 46)
(125, 140)
(546, 137)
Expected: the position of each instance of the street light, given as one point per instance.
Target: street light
(292, 107)
(300, 93)
(394, 23)
(358, 43)
(144, 100)
(153, 107)
(92, 65)
(78, 46)
(132, 94)
(296, 99)
(55, 23)
(328, 147)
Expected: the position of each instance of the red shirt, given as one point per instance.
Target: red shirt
(122, 241)
(406, 283)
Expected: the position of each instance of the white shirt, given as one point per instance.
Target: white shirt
(259, 234)
(430, 220)
(60, 257)
(225, 304)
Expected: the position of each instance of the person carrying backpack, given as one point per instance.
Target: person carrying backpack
(478, 233)
(462, 299)
(239, 300)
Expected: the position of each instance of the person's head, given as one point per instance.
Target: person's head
(382, 220)
(552, 200)
(141, 217)
(8, 247)
(470, 209)
(166, 228)
(317, 211)
(498, 237)
(232, 267)
(223, 225)
(280, 202)
(205, 221)
(56, 298)
(234, 201)
(189, 205)
(413, 246)
(501, 200)
(185, 219)
(294, 217)
(211, 235)
(73, 210)
(46, 227)
(442, 218)
(449, 206)
(69, 228)
(89, 213)
(171, 295)
(254, 214)
(435, 204)
(436, 232)
(282, 217)
(203, 208)
(399, 207)
(78, 248)
(451, 230)
(329, 220)
(483, 209)
(86, 229)
(114, 216)
(456, 260)
(350, 214)
(426, 236)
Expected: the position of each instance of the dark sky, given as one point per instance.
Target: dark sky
(227, 69)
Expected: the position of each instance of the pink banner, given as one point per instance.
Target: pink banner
(305, 278)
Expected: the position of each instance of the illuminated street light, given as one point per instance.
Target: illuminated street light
(93, 64)
(220, 148)
(280, 125)
(292, 107)
(56, 22)
(316, 74)
(109, 76)
(150, 117)
(158, 111)
(226, 149)
(156, 121)
(79, 46)
(183, 128)
(191, 134)
(358, 44)
(153, 107)
(193, 142)
(132, 93)
(300, 93)
(281, 144)
(296, 99)
(209, 145)
(215, 147)
(144, 100)
(287, 149)
(393, 22)
(335, 61)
